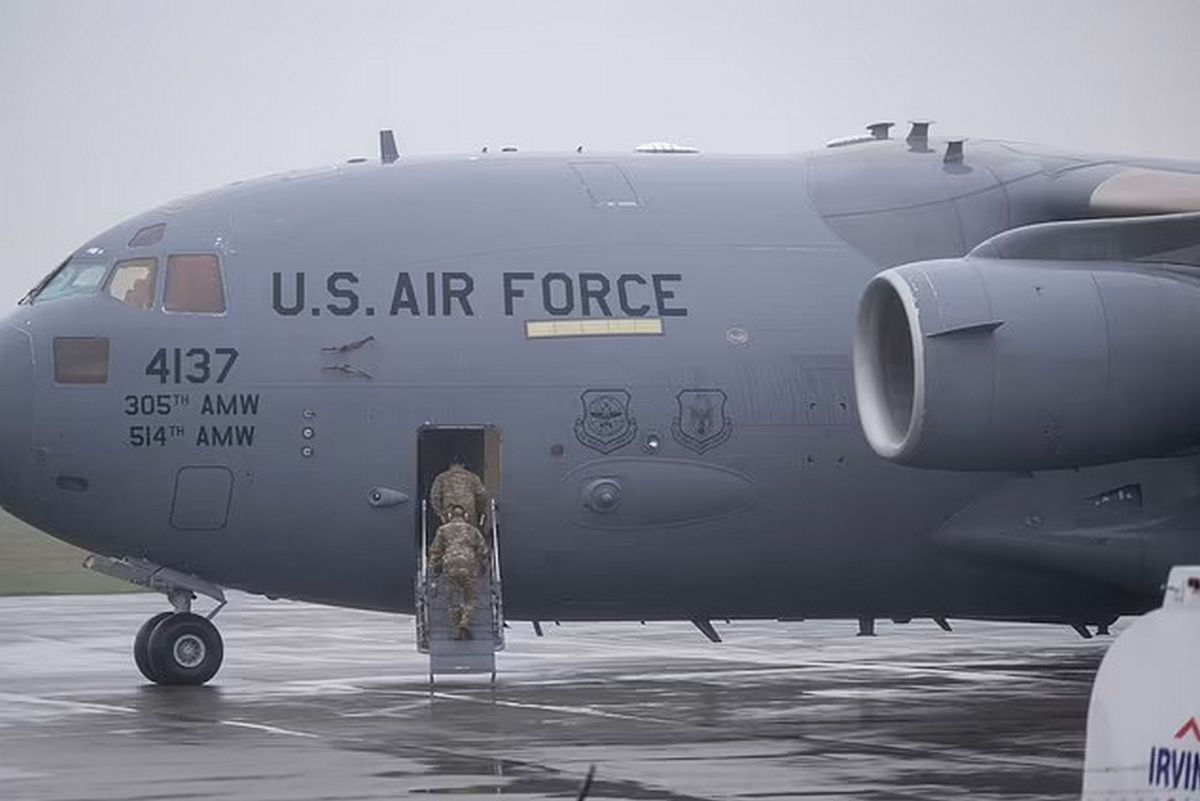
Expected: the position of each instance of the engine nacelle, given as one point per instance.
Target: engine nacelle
(1000, 364)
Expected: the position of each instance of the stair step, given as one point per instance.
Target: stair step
(438, 636)
(447, 653)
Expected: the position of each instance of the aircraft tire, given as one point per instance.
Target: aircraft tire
(141, 645)
(185, 649)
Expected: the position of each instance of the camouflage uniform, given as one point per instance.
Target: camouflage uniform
(458, 486)
(460, 553)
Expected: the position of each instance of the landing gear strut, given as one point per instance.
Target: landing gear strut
(176, 647)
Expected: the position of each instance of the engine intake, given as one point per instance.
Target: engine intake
(995, 364)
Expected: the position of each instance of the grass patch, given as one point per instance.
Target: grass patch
(33, 563)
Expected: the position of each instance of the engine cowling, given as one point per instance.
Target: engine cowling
(997, 364)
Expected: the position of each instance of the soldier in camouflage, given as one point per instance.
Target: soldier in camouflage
(458, 486)
(460, 554)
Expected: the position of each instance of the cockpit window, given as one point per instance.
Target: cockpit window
(132, 282)
(76, 276)
(150, 235)
(81, 360)
(194, 284)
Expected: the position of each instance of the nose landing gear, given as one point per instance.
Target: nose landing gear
(176, 647)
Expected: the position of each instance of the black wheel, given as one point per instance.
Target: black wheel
(141, 645)
(185, 649)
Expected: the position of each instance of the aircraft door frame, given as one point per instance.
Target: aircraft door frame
(479, 445)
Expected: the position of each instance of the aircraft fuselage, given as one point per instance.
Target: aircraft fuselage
(660, 344)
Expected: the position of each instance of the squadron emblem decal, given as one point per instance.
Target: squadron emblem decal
(606, 424)
(701, 423)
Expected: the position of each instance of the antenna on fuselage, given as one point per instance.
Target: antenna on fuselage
(918, 136)
(954, 152)
(387, 147)
(880, 130)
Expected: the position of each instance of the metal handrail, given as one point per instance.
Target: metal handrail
(424, 537)
(495, 542)
(497, 592)
(422, 584)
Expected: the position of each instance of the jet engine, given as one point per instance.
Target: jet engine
(1004, 360)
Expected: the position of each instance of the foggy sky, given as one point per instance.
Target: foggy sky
(110, 108)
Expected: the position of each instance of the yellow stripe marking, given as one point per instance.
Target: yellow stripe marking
(637, 326)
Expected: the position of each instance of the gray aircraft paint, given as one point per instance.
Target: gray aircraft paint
(762, 498)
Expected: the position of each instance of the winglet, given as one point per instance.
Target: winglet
(387, 147)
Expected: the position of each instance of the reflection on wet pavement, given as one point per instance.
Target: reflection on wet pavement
(317, 703)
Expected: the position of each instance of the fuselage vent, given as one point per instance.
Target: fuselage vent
(665, 147)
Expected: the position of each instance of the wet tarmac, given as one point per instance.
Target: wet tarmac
(317, 703)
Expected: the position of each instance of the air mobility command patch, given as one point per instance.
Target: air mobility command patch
(606, 424)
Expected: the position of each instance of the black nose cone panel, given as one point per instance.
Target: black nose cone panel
(16, 408)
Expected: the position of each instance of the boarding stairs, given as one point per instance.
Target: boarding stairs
(436, 632)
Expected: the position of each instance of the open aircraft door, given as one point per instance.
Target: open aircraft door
(452, 648)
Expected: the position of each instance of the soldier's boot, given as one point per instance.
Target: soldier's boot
(457, 617)
(462, 624)
(455, 606)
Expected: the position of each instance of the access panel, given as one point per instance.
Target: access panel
(202, 498)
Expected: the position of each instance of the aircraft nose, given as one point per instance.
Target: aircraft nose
(16, 407)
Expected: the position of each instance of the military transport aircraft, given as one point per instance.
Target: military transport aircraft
(663, 363)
